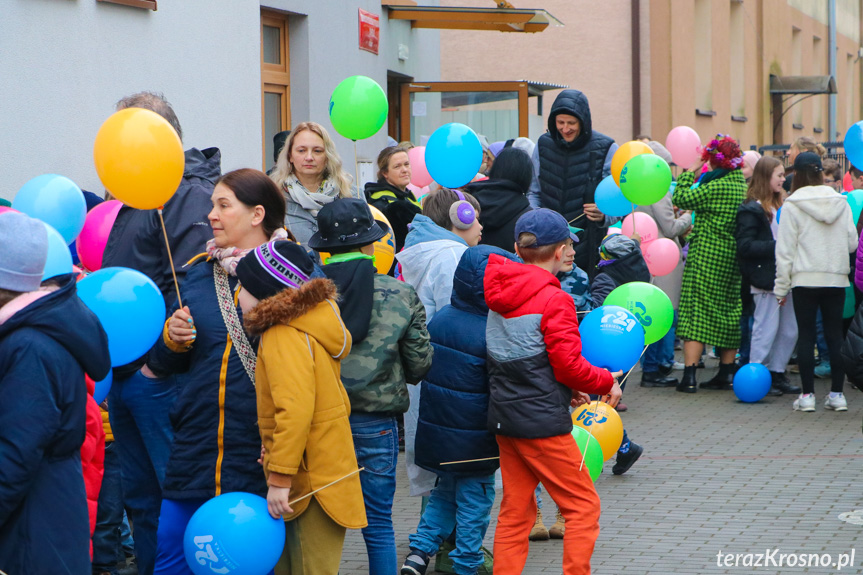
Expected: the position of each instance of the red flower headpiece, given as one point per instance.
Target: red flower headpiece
(723, 152)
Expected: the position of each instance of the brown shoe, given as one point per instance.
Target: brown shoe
(556, 530)
(539, 532)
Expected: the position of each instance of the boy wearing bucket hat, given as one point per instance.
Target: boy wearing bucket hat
(302, 406)
(390, 349)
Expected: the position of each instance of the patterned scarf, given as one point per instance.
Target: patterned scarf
(229, 257)
(310, 201)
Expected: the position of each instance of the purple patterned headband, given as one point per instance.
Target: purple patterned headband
(281, 269)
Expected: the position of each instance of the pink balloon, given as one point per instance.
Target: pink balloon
(684, 145)
(846, 182)
(613, 231)
(661, 255)
(644, 227)
(419, 174)
(417, 191)
(94, 236)
(7, 209)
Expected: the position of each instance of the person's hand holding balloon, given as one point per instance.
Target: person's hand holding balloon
(181, 327)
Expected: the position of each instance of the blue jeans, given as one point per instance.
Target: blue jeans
(746, 322)
(139, 408)
(376, 441)
(107, 544)
(463, 504)
(660, 352)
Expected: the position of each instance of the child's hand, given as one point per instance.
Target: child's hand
(261, 458)
(277, 501)
(613, 397)
(579, 398)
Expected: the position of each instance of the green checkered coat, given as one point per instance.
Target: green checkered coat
(710, 305)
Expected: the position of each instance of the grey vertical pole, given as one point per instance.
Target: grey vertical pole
(831, 114)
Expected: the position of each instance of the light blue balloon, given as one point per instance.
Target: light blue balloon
(453, 155)
(130, 307)
(55, 200)
(611, 337)
(102, 388)
(853, 144)
(59, 260)
(610, 200)
(233, 533)
(752, 382)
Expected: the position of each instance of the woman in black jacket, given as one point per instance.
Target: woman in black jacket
(502, 197)
(774, 332)
(390, 194)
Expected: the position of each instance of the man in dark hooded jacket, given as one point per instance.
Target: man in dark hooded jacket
(569, 162)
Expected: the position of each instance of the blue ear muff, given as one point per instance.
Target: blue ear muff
(462, 215)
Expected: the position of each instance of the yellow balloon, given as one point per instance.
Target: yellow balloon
(625, 153)
(139, 158)
(604, 424)
(385, 248)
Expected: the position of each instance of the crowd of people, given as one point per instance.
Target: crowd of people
(291, 363)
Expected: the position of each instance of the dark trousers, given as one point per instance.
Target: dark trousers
(807, 302)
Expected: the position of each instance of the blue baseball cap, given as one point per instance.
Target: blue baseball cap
(548, 226)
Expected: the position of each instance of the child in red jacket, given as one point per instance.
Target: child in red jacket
(536, 371)
(93, 457)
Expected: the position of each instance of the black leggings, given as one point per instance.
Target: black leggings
(807, 300)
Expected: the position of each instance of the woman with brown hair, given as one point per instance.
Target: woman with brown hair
(774, 332)
(309, 172)
(390, 194)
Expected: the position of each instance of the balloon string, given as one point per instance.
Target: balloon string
(170, 257)
(622, 381)
(576, 218)
(471, 460)
(307, 495)
(356, 165)
(633, 220)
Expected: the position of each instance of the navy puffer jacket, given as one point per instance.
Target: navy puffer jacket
(453, 418)
(216, 439)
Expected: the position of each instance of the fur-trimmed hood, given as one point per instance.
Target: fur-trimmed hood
(312, 309)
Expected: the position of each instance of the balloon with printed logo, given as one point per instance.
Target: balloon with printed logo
(684, 145)
(385, 248)
(94, 237)
(661, 256)
(603, 422)
(59, 260)
(57, 201)
(611, 337)
(625, 153)
(642, 224)
(752, 382)
(120, 298)
(592, 451)
(854, 144)
(648, 304)
(232, 534)
(139, 158)
(645, 179)
(453, 155)
(420, 176)
(609, 199)
(358, 108)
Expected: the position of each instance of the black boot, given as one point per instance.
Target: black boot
(780, 382)
(687, 383)
(723, 380)
(656, 379)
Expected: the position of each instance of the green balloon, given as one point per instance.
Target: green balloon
(645, 179)
(358, 108)
(848, 309)
(855, 200)
(648, 304)
(593, 457)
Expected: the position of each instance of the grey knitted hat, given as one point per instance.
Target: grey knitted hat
(24, 245)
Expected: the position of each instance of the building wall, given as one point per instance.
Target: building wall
(72, 61)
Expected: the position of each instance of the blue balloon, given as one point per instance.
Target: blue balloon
(611, 337)
(130, 307)
(233, 533)
(853, 144)
(55, 200)
(59, 259)
(103, 387)
(752, 382)
(610, 200)
(453, 155)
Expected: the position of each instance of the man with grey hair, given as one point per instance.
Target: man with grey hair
(140, 402)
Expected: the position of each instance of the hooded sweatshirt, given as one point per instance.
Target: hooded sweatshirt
(816, 234)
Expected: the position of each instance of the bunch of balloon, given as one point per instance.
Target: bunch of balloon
(358, 109)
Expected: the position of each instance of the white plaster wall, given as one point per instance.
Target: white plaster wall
(65, 63)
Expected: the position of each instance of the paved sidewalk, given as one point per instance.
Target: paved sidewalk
(716, 475)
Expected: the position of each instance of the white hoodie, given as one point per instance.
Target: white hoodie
(816, 234)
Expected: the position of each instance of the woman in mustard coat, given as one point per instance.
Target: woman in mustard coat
(302, 406)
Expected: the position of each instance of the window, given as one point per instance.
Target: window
(703, 58)
(275, 81)
(737, 57)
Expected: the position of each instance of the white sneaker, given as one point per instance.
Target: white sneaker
(678, 366)
(836, 403)
(806, 403)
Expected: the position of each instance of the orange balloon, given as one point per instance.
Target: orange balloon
(139, 158)
(625, 153)
(603, 422)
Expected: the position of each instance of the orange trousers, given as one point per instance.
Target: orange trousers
(553, 461)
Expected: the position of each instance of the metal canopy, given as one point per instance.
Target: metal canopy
(459, 18)
(802, 84)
